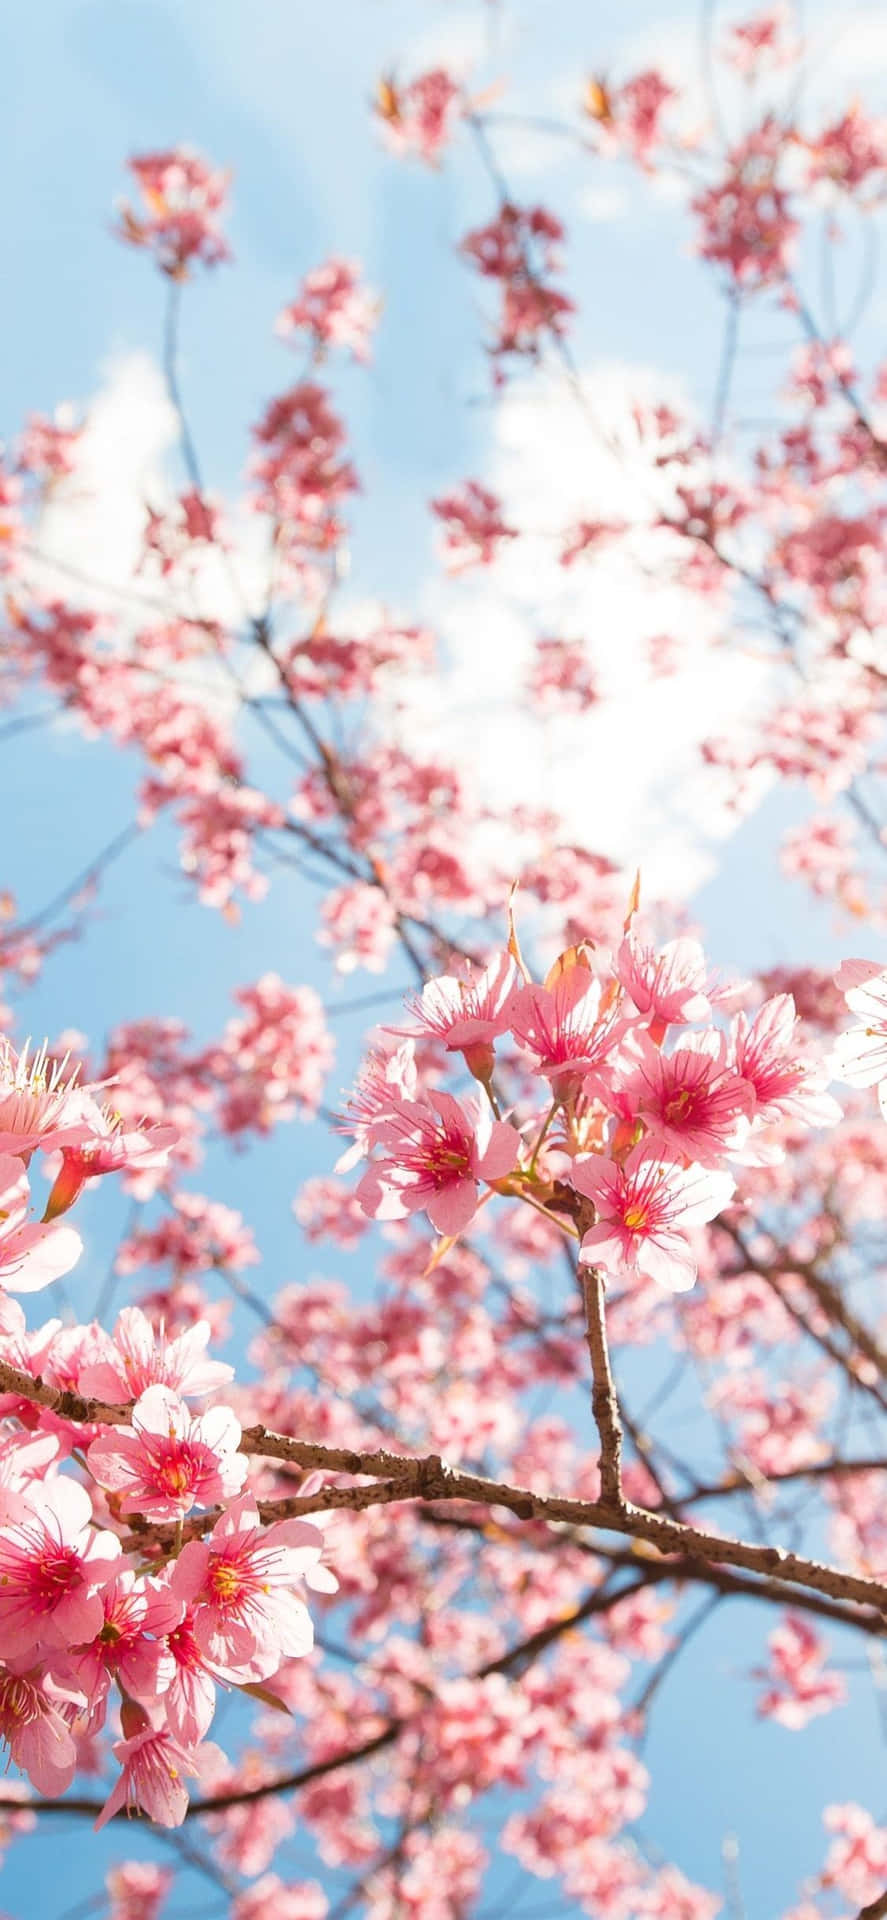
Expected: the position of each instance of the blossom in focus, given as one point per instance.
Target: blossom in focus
(137, 1357)
(766, 1057)
(434, 1153)
(128, 1646)
(691, 1103)
(167, 1462)
(34, 1723)
(38, 1103)
(568, 1028)
(106, 1147)
(242, 1585)
(152, 1778)
(644, 1207)
(32, 1253)
(669, 985)
(385, 1081)
(467, 1014)
(53, 1562)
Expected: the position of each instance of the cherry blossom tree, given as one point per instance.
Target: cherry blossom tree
(394, 1590)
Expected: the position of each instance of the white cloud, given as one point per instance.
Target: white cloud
(89, 542)
(848, 49)
(626, 776)
(93, 523)
(91, 531)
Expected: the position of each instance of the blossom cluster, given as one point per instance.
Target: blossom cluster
(178, 221)
(653, 1108)
(87, 1610)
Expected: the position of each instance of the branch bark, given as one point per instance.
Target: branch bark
(604, 1401)
(430, 1478)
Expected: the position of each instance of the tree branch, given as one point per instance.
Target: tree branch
(431, 1478)
(604, 1403)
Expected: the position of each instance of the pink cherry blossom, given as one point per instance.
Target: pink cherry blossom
(856, 1863)
(760, 41)
(129, 1646)
(197, 1235)
(35, 1723)
(333, 309)
(628, 118)
(669, 986)
(474, 1699)
(518, 249)
(137, 1357)
(561, 676)
(569, 1029)
(49, 447)
(182, 199)
(474, 526)
(38, 1103)
(797, 1688)
(167, 1462)
(360, 924)
(270, 1899)
(153, 1771)
(32, 1253)
(419, 117)
(766, 1058)
(137, 1890)
(247, 1616)
(108, 1149)
(746, 221)
(190, 1679)
(303, 476)
(385, 1082)
(53, 1563)
(434, 1153)
(691, 1104)
(643, 1208)
(467, 1013)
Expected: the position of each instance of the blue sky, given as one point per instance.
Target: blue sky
(280, 93)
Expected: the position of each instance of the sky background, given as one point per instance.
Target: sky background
(280, 92)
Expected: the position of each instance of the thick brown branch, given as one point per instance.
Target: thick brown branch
(431, 1478)
(683, 1568)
